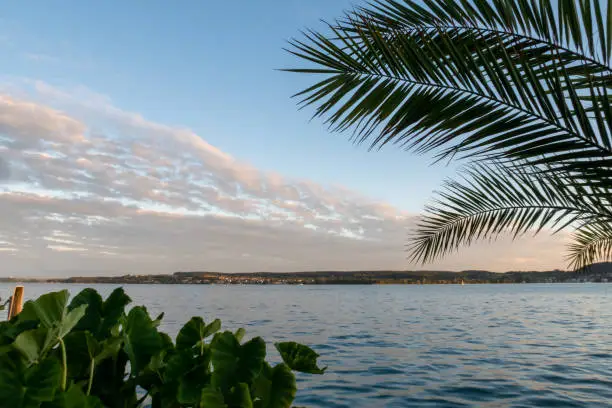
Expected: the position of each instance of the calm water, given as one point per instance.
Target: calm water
(402, 346)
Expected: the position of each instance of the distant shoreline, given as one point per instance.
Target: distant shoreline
(601, 272)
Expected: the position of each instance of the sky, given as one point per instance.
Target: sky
(151, 136)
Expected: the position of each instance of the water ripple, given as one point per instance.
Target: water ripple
(419, 346)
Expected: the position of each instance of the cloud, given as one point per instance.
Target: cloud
(5, 171)
(42, 58)
(26, 124)
(86, 187)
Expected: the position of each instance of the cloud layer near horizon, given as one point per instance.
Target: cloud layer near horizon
(86, 188)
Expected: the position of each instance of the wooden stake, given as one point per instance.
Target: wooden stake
(16, 302)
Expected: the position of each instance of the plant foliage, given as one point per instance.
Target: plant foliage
(93, 353)
(499, 83)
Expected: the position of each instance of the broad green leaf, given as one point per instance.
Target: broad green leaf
(74, 397)
(283, 387)
(81, 348)
(158, 319)
(140, 339)
(49, 308)
(70, 320)
(212, 328)
(225, 355)
(93, 314)
(112, 310)
(195, 331)
(11, 371)
(253, 355)
(240, 334)
(166, 341)
(29, 387)
(241, 395)
(126, 352)
(262, 387)
(299, 357)
(32, 344)
(212, 398)
(165, 397)
(189, 391)
(178, 365)
(112, 384)
(10, 330)
(108, 348)
(191, 385)
(234, 363)
(35, 344)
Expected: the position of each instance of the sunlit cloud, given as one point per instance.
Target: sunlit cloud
(87, 187)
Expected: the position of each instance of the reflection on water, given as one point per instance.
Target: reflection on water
(398, 346)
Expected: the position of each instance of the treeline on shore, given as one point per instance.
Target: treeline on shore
(601, 272)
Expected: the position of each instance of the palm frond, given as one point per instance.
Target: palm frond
(582, 27)
(492, 199)
(434, 80)
(591, 243)
(521, 89)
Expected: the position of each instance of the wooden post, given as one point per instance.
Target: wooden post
(16, 302)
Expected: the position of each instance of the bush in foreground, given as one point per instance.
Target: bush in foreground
(91, 353)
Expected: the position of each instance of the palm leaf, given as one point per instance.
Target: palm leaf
(518, 88)
(377, 76)
(493, 199)
(592, 243)
(566, 28)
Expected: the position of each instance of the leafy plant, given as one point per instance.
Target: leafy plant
(93, 353)
(520, 89)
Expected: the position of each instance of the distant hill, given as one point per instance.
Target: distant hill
(600, 272)
(602, 268)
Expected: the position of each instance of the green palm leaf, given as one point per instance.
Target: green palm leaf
(493, 199)
(392, 86)
(592, 243)
(524, 84)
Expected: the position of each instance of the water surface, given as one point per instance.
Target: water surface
(403, 346)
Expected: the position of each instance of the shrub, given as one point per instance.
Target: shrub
(91, 353)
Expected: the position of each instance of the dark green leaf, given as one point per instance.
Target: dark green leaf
(299, 357)
(241, 395)
(140, 339)
(28, 387)
(240, 334)
(49, 308)
(192, 384)
(93, 314)
(195, 331)
(74, 397)
(178, 365)
(32, 344)
(283, 388)
(212, 398)
(70, 320)
(112, 310)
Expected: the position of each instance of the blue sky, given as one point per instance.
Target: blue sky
(155, 136)
(209, 66)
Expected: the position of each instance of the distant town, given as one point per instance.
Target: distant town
(601, 272)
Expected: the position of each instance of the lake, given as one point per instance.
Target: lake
(404, 346)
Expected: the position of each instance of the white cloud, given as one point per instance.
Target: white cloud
(87, 187)
(40, 57)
